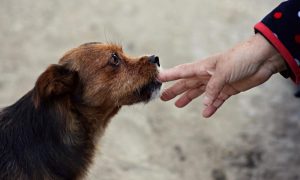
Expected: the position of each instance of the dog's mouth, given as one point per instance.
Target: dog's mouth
(149, 91)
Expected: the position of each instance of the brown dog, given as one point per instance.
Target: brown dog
(51, 132)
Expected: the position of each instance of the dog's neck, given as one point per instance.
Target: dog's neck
(57, 128)
(95, 119)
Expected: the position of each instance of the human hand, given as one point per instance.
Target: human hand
(245, 66)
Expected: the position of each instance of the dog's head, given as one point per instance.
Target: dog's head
(97, 74)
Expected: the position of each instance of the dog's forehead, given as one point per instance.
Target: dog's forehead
(111, 47)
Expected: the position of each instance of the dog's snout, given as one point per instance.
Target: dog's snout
(154, 60)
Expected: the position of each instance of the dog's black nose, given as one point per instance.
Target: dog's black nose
(154, 60)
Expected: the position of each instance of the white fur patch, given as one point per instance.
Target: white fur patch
(155, 94)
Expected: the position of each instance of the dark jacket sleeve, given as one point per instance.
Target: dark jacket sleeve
(282, 29)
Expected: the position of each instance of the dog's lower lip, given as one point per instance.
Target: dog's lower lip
(149, 88)
(154, 84)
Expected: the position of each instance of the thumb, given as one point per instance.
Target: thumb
(213, 88)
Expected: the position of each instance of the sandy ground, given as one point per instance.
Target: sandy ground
(256, 136)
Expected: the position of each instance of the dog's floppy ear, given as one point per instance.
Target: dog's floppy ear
(55, 82)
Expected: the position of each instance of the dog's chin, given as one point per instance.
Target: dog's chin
(151, 90)
(148, 92)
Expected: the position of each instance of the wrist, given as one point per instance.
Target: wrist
(269, 55)
(277, 63)
(262, 48)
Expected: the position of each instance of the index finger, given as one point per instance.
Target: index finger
(182, 71)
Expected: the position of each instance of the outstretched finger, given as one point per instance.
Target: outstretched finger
(182, 86)
(209, 111)
(213, 89)
(187, 97)
(220, 100)
(182, 71)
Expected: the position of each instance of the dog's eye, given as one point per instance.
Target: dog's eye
(115, 60)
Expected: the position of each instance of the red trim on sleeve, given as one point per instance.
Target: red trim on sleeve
(267, 33)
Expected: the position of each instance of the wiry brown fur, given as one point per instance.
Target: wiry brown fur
(51, 132)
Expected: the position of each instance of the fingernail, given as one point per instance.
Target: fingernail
(205, 113)
(206, 101)
(210, 72)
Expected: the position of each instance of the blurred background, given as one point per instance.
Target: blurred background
(254, 136)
